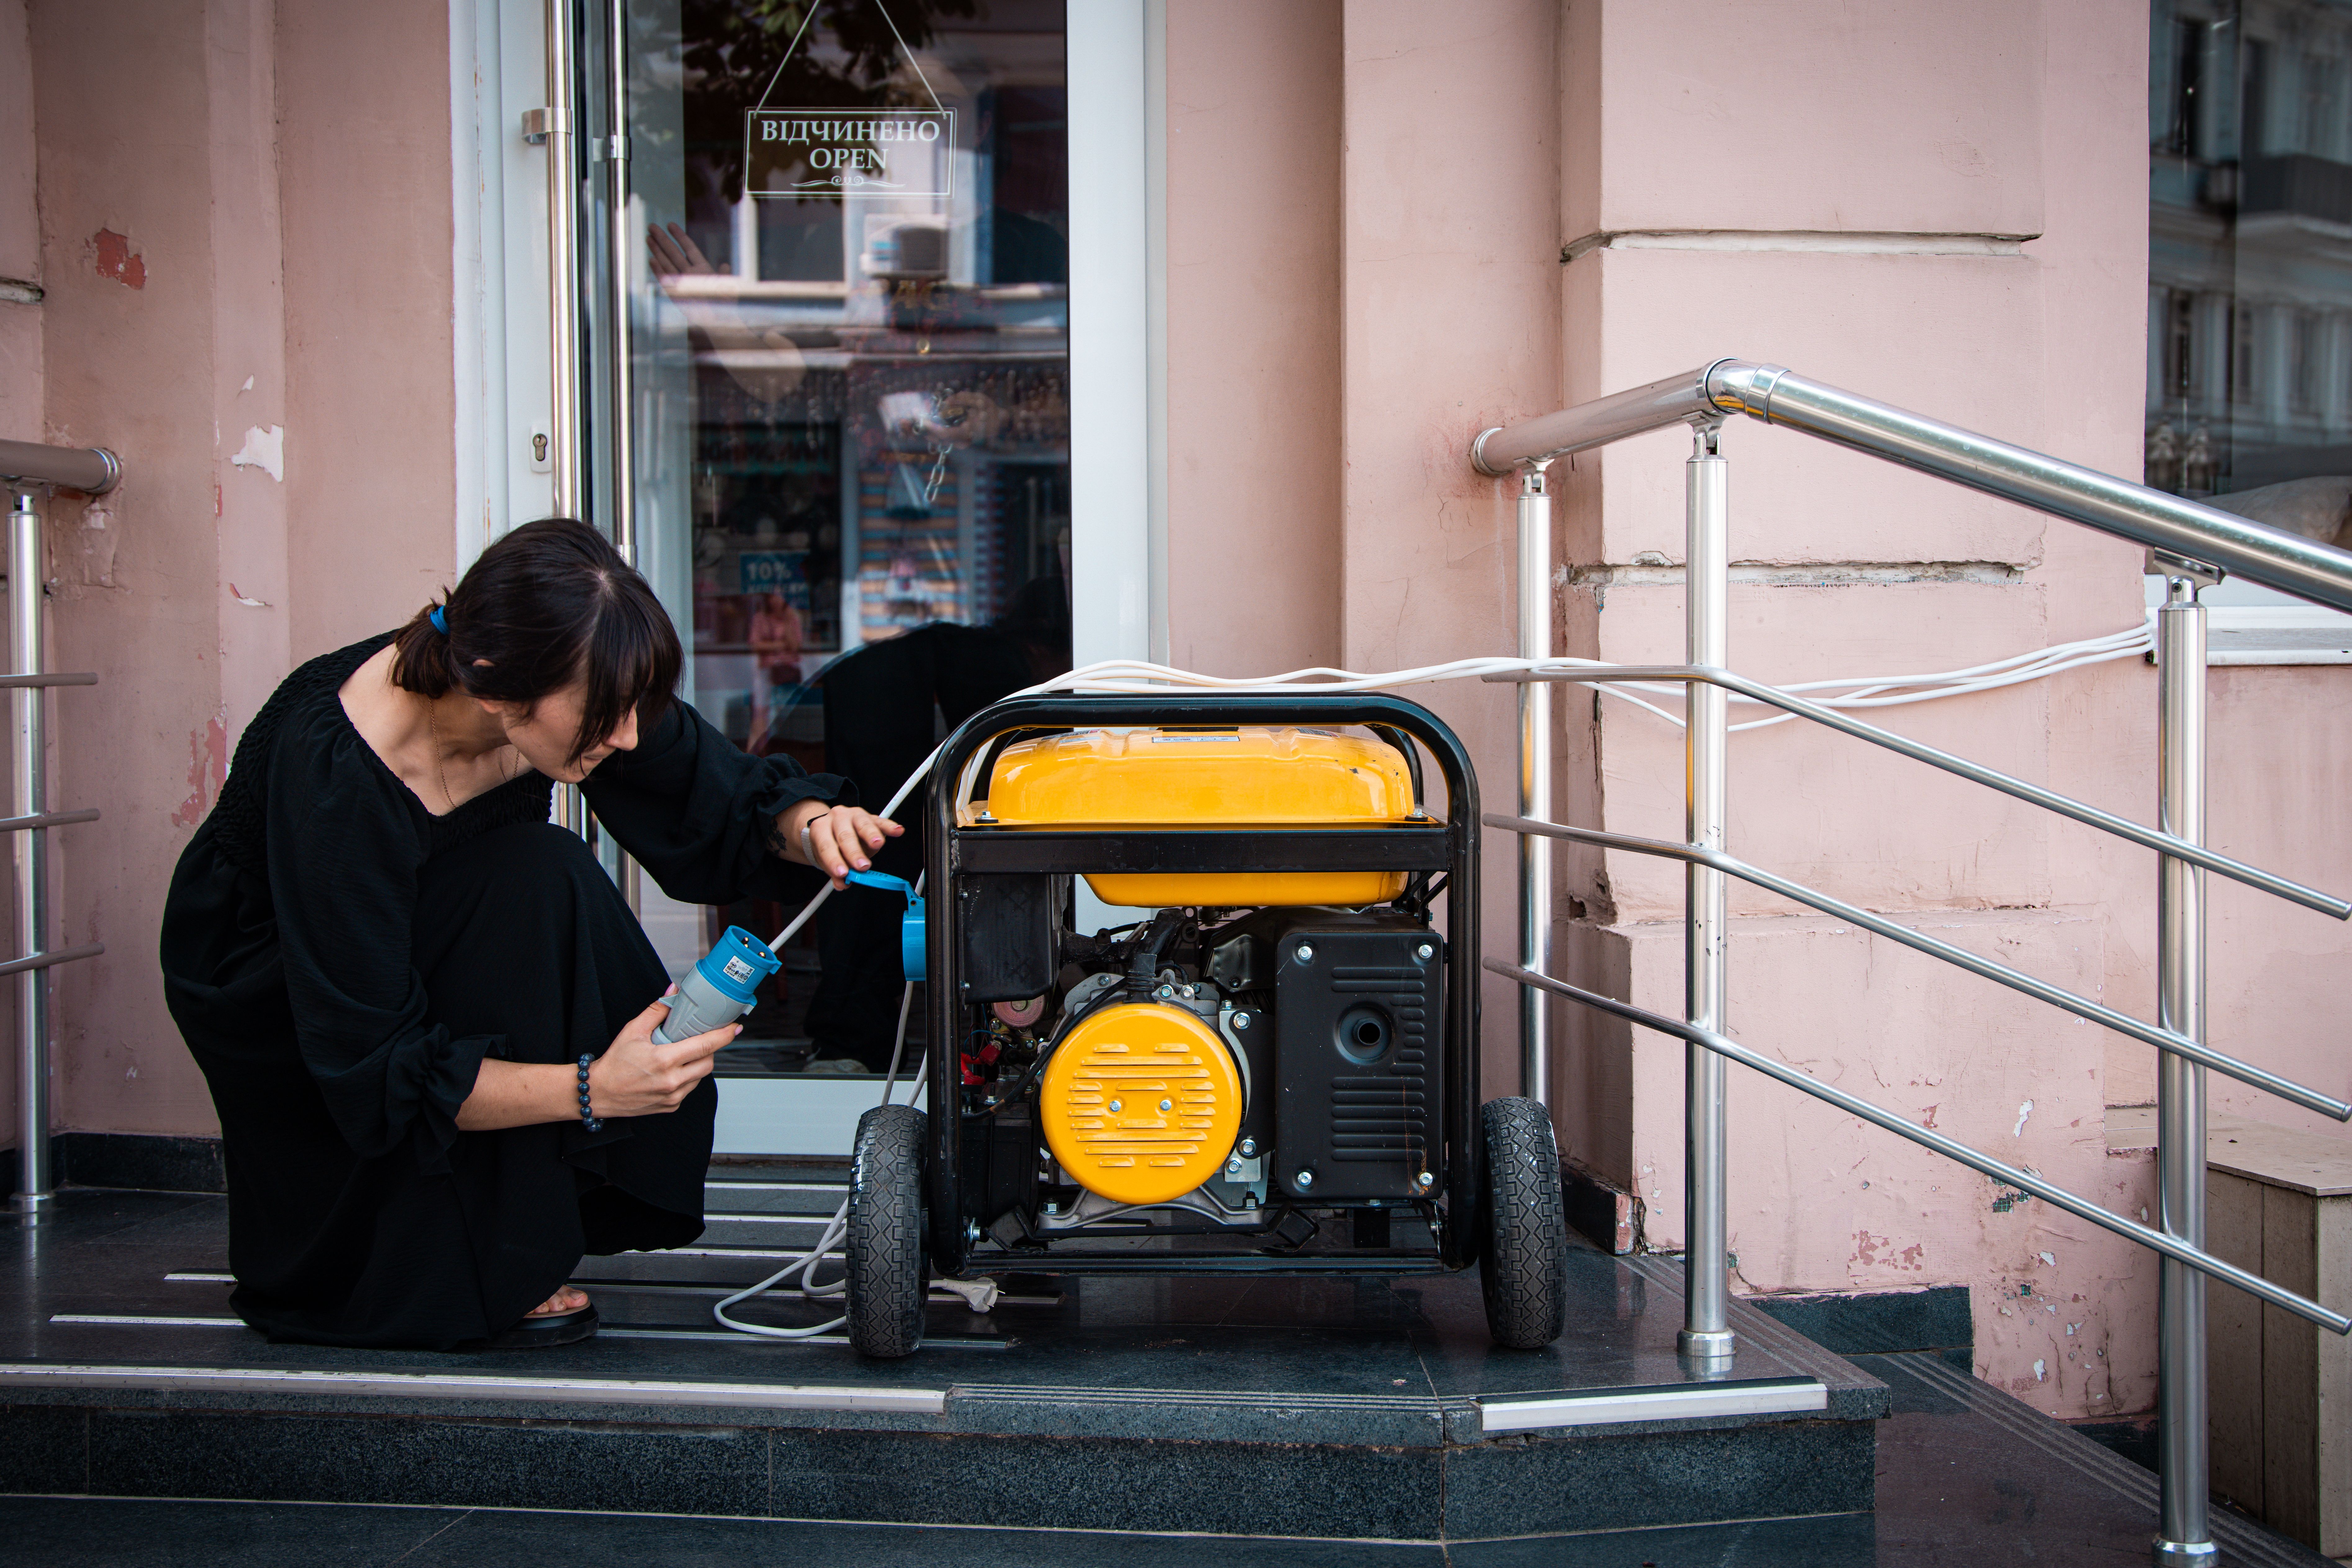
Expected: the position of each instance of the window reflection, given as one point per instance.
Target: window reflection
(2249, 264)
(854, 412)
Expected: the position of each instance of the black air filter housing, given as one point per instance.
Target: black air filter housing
(1359, 1008)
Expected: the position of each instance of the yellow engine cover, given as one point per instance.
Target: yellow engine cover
(1141, 1103)
(1254, 776)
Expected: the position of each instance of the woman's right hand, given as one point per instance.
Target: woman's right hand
(638, 1075)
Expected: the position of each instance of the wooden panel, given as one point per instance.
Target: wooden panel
(2312, 1162)
(2291, 1430)
(2333, 1415)
(2233, 1342)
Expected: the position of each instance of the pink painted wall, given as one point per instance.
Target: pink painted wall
(1957, 220)
(128, 328)
(1451, 304)
(1253, 294)
(365, 171)
(1878, 249)
(280, 261)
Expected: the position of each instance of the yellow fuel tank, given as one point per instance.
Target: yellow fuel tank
(1251, 777)
(1141, 1102)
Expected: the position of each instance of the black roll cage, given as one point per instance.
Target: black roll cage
(954, 851)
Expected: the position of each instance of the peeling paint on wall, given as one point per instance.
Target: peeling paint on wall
(264, 448)
(81, 551)
(112, 255)
(207, 768)
(1880, 1252)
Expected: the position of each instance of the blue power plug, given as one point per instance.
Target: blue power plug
(720, 988)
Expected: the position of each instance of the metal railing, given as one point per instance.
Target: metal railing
(2192, 546)
(26, 468)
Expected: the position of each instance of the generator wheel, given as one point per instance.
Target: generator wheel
(882, 1255)
(1524, 1265)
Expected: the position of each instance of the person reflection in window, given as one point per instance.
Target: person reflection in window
(884, 704)
(765, 362)
(777, 636)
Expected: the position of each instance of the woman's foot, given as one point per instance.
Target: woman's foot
(563, 1319)
(567, 1300)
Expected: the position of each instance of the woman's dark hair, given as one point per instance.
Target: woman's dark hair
(547, 605)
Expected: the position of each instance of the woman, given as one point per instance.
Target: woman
(422, 1008)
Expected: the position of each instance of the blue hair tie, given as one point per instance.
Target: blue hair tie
(440, 622)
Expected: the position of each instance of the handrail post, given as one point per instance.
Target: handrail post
(1705, 1335)
(35, 1183)
(1535, 781)
(2187, 1534)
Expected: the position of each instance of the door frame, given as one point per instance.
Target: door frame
(1118, 163)
(1117, 272)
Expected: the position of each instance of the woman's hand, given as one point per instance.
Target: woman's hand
(841, 839)
(638, 1075)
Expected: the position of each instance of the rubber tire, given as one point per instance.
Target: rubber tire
(882, 1255)
(1523, 1267)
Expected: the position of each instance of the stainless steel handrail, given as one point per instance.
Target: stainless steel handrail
(1777, 395)
(1676, 400)
(2191, 545)
(1950, 1148)
(32, 961)
(2000, 974)
(48, 820)
(33, 820)
(93, 470)
(2049, 800)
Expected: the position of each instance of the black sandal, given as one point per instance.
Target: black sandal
(543, 1334)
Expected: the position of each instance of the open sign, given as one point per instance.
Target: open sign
(835, 152)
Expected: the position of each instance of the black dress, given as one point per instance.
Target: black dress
(340, 961)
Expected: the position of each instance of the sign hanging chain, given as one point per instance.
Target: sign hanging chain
(810, 16)
(940, 450)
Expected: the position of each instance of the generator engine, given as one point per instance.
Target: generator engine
(1262, 1043)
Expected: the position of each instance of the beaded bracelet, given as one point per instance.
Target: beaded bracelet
(592, 1122)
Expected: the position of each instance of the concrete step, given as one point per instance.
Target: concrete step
(1324, 1407)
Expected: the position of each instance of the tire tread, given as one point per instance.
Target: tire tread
(1522, 1273)
(882, 1255)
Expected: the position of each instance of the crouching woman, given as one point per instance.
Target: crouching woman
(424, 1013)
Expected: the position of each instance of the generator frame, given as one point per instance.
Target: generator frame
(955, 852)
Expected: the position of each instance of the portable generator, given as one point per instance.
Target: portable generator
(1273, 1070)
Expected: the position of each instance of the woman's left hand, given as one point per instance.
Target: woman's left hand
(841, 839)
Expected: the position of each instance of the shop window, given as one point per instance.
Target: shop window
(2249, 396)
(849, 345)
(2250, 193)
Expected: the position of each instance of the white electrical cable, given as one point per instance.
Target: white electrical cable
(1120, 677)
(837, 1227)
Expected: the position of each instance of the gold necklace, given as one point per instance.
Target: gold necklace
(433, 722)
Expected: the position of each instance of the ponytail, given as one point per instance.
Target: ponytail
(420, 661)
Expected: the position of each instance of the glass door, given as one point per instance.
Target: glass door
(840, 384)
